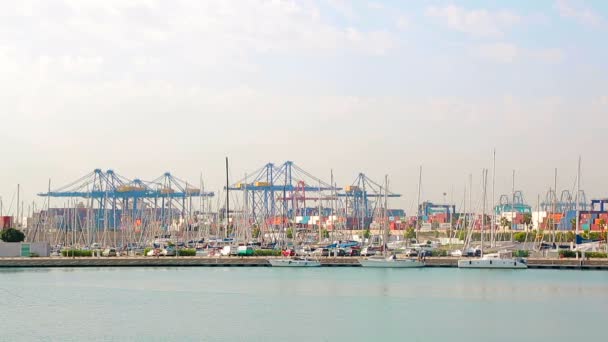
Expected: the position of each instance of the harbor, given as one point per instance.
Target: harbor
(284, 216)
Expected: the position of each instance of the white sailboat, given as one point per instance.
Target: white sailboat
(294, 262)
(384, 261)
(501, 260)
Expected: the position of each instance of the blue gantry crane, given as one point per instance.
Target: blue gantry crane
(117, 200)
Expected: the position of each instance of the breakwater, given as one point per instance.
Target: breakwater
(573, 264)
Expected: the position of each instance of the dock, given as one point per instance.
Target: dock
(445, 262)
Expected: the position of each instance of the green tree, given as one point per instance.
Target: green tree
(410, 233)
(289, 233)
(367, 234)
(12, 235)
(324, 234)
(504, 222)
(255, 233)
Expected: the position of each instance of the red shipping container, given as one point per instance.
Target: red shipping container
(595, 227)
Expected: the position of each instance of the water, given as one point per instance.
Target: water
(316, 304)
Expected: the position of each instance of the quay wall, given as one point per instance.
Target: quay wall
(574, 264)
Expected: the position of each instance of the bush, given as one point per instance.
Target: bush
(566, 253)
(519, 237)
(410, 233)
(146, 250)
(267, 252)
(439, 253)
(12, 235)
(521, 254)
(77, 253)
(324, 234)
(595, 255)
(186, 252)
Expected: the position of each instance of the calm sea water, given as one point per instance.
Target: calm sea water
(322, 304)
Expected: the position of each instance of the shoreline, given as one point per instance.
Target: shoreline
(441, 262)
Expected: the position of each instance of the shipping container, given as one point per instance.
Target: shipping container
(351, 188)
(261, 184)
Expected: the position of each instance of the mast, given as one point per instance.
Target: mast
(553, 224)
(493, 227)
(227, 201)
(418, 207)
(385, 232)
(18, 220)
(513, 204)
(578, 189)
(319, 222)
(483, 214)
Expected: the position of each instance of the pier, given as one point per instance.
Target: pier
(446, 262)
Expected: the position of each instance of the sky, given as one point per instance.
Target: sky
(379, 87)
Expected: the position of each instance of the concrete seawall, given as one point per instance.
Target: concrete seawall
(573, 264)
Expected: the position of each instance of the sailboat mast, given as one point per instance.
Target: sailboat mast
(227, 201)
(578, 189)
(483, 213)
(513, 203)
(385, 233)
(418, 211)
(493, 228)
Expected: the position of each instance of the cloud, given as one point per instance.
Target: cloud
(480, 22)
(504, 52)
(583, 15)
(499, 52)
(403, 22)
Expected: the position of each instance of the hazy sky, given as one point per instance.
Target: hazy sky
(379, 87)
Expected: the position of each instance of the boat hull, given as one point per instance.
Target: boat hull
(399, 263)
(492, 264)
(293, 263)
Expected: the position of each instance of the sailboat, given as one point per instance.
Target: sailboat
(500, 260)
(295, 261)
(384, 260)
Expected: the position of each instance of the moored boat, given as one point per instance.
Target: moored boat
(390, 262)
(294, 262)
(494, 261)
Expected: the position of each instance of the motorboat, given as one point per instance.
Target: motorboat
(294, 262)
(501, 260)
(390, 262)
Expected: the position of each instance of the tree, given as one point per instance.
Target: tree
(504, 222)
(527, 220)
(12, 235)
(324, 234)
(367, 234)
(410, 233)
(255, 233)
(289, 233)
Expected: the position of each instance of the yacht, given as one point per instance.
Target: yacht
(501, 260)
(294, 262)
(390, 262)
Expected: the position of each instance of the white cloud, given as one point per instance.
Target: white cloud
(504, 52)
(499, 52)
(478, 22)
(583, 15)
(403, 22)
